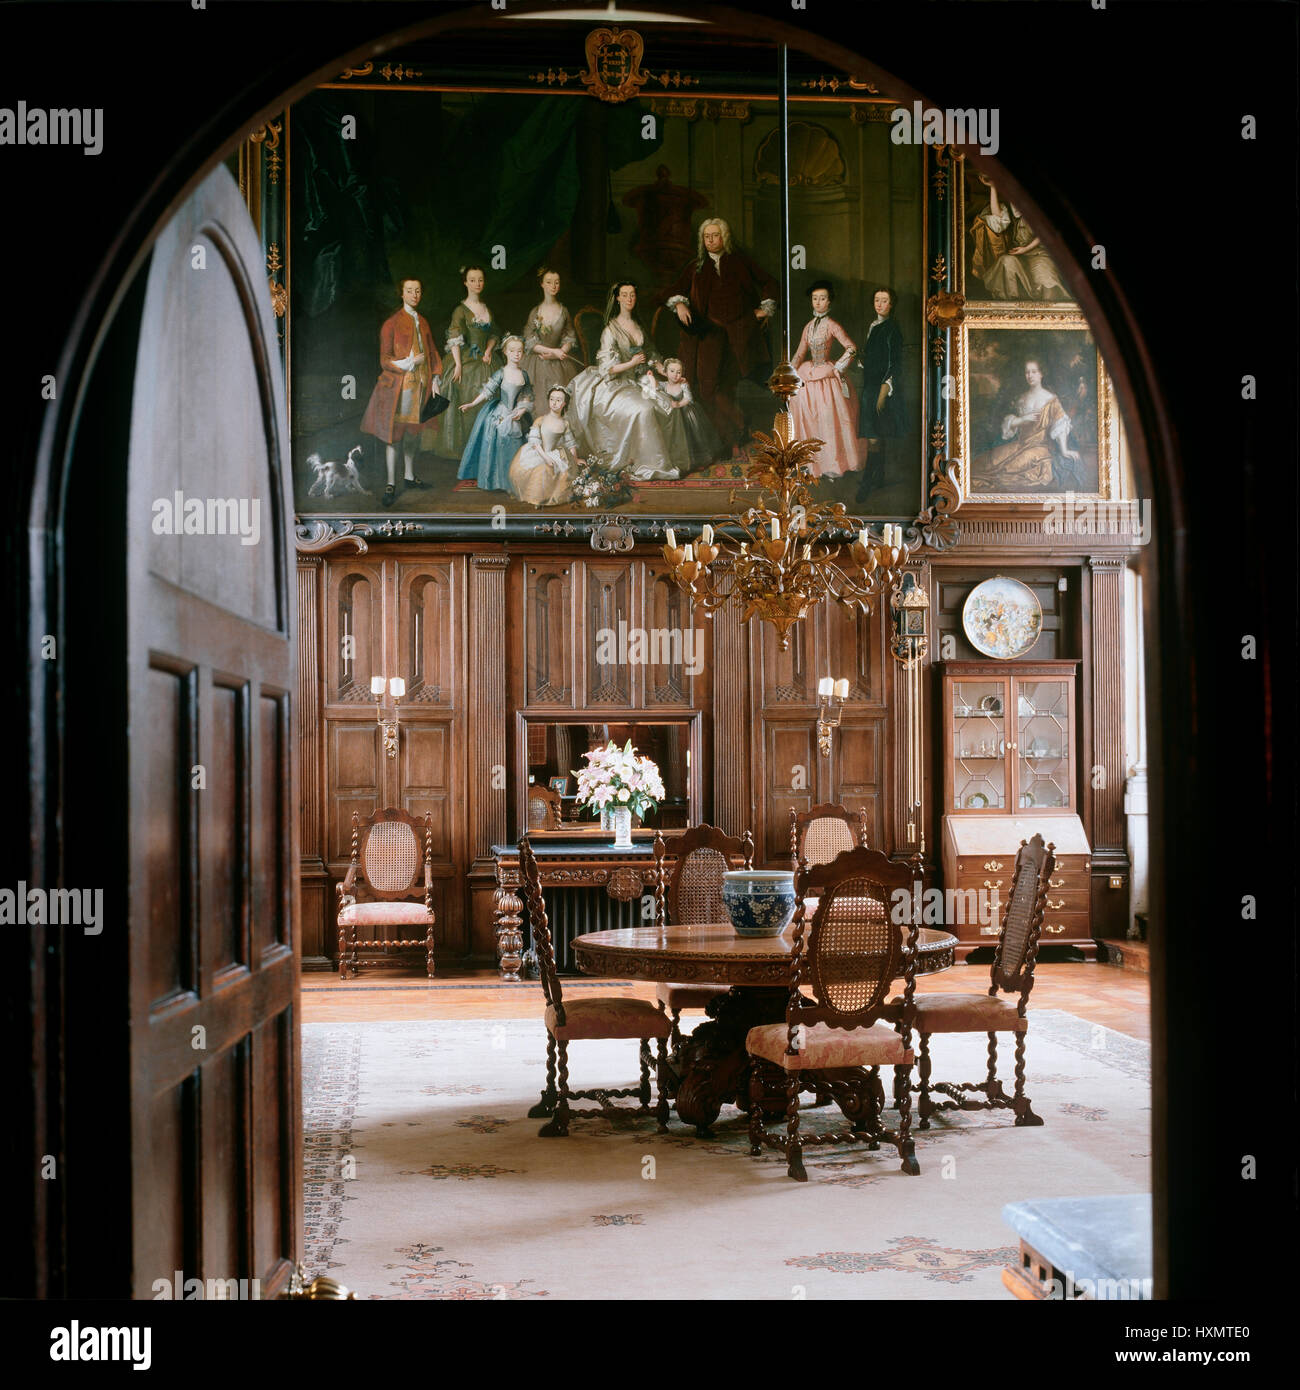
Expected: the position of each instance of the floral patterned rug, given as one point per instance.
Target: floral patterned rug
(425, 1179)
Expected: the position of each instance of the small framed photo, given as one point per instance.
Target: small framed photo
(560, 785)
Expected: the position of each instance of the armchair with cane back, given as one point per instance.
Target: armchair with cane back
(818, 834)
(584, 1019)
(1012, 973)
(692, 892)
(388, 859)
(834, 1039)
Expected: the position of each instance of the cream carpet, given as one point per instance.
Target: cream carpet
(425, 1179)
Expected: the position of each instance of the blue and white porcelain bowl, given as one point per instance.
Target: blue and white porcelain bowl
(760, 902)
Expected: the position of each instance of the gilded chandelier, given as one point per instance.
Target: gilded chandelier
(792, 557)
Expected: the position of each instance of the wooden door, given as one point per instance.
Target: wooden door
(213, 963)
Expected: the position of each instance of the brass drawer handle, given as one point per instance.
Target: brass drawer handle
(1056, 906)
(998, 884)
(1055, 930)
(993, 865)
(1056, 883)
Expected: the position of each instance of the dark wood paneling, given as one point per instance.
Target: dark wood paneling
(608, 604)
(226, 829)
(549, 632)
(171, 846)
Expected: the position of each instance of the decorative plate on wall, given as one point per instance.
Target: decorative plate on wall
(1002, 618)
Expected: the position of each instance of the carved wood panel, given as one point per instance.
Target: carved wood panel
(858, 759)
(353, 753)
(786, 678)
(549, 632)
(852, 646)
(608, 613)
(675, 643)
(354, 632)
(427, 642)
(790, 768)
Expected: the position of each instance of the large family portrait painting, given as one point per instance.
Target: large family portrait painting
(547, 303)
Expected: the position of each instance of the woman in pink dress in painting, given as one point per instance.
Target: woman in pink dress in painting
(826, 407)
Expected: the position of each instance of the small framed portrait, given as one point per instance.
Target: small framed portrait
(1036, 413)
(559, 785)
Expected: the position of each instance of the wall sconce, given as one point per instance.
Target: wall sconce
(396, 687)
(828, 690)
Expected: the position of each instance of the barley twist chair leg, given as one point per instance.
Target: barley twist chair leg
(353, 939)
(755, 1108)
(1024, 1110)
(924, 1103)
(343, 952)
(428, 950)
(906, 1144)
(546, 1106)
(677, 1032)
(645, 1072)
(794, 1148)
(559, 1125)
(661, 1107)
(871, 1094)
(991, 1081)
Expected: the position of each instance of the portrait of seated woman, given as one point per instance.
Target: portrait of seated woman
(614, 408)
(1036, 449)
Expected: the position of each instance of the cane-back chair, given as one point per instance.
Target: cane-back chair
(833, 1039)
(1013, 974)
(691, 891)
(818, 834)
(544, 808)
(583, 1019)
(390, 857)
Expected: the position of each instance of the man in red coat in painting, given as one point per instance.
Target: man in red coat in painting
(723, 301)
(410, 368)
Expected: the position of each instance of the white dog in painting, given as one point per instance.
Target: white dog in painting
(332, 478)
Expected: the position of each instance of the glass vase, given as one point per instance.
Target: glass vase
(622, 828)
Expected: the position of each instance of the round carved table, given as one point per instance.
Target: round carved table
(711, 1067)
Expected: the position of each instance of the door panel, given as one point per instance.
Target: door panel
(214, 1086)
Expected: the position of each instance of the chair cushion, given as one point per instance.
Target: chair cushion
(825, 1047)
(605, 1017)
(689, 996)
(961, 1013)
(384, 915)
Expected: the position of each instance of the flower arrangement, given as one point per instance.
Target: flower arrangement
(619, 779)
(596, 484)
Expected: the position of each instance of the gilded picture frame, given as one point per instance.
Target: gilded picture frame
(1070, 408)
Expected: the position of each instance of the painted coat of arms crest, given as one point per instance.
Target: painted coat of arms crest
(614, 64)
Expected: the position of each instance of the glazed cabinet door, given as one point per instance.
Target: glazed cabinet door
(979, 774)
(1044, 742)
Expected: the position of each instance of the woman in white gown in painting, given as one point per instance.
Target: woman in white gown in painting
(611, 410)
(540, 472)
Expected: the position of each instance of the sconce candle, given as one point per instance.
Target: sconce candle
(397, 687)
(825, 686)
(841, 690)
(377, 685)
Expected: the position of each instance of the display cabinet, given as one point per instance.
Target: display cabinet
(1009, 741)
(1009, 737)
